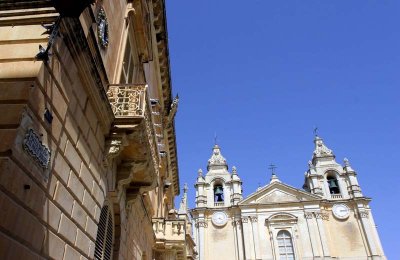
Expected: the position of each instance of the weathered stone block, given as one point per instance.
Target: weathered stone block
(63, 198)
(71, 253)
(67, 228)
(83, 149)
(11, 114)
(91, 228)
(54, 215)
(54, 246)
(61, 168)
(72, 156)
(79, 214)
(89, 203)
(7, 137)
(75, 185)
(83, 242)
(86, 176)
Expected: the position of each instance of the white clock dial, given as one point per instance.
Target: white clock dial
(219, 218)
(341, 211)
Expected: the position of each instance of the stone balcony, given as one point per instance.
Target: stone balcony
(173, 238)
(133, 136)
(336, 196)
(219, 204)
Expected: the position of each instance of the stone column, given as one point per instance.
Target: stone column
(321, 230)
(256, 237)
(169, 255)
(312, 233)
(248, 238)
(201, 225)
(239, 236)
(363, 215)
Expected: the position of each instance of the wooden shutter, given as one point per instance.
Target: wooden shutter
(105, 234)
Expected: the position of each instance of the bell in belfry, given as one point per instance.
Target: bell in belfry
(219, 193)
(332, 183)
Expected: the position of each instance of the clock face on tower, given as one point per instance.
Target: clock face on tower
(341, 211)
(219, 218)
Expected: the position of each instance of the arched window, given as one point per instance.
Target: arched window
(285, 245)
(333, 185)
(104, 239)
(218, 193)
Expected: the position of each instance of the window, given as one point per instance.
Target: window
(132, 68)
(104, 239)
(218, 193)
(333, 185)
(285, 245)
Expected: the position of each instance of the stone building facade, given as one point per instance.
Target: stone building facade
(329, 218)
(88, 157)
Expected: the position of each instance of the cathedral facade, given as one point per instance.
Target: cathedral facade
(329, 218)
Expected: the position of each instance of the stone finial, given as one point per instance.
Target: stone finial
(311, 165)
(200, 173)
(183, 206)
(320, 148)
(217, 160)
(347, 166)
(234, 171)
(346, 162)
(274, 178)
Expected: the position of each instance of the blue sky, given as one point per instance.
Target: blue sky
(261, 74)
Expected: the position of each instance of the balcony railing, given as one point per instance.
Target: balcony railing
(219, 204)
(132, 110)
(336, 196)
(170, 230)
(127, 100)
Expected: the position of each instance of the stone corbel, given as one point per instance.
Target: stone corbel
(114, 146)
(173, 109)
(125, 176)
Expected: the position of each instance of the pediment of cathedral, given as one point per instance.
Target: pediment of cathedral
(278, 193)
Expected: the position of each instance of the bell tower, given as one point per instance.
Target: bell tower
(218, 193)
(218, 188)
(327, 178)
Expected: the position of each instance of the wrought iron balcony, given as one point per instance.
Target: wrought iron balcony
(133, 118)
(128, 102)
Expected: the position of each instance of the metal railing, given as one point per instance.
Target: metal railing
(127, 100)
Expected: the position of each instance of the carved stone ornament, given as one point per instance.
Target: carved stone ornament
(102, 28)
(363, 214)
(321, 215)
(317, 214)
(320, 148)
(308, 215)
(114, 147)
(254, 219)
(201, 223)
(245, 219)
(36, 149)
(236, 222)
(216, 159)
